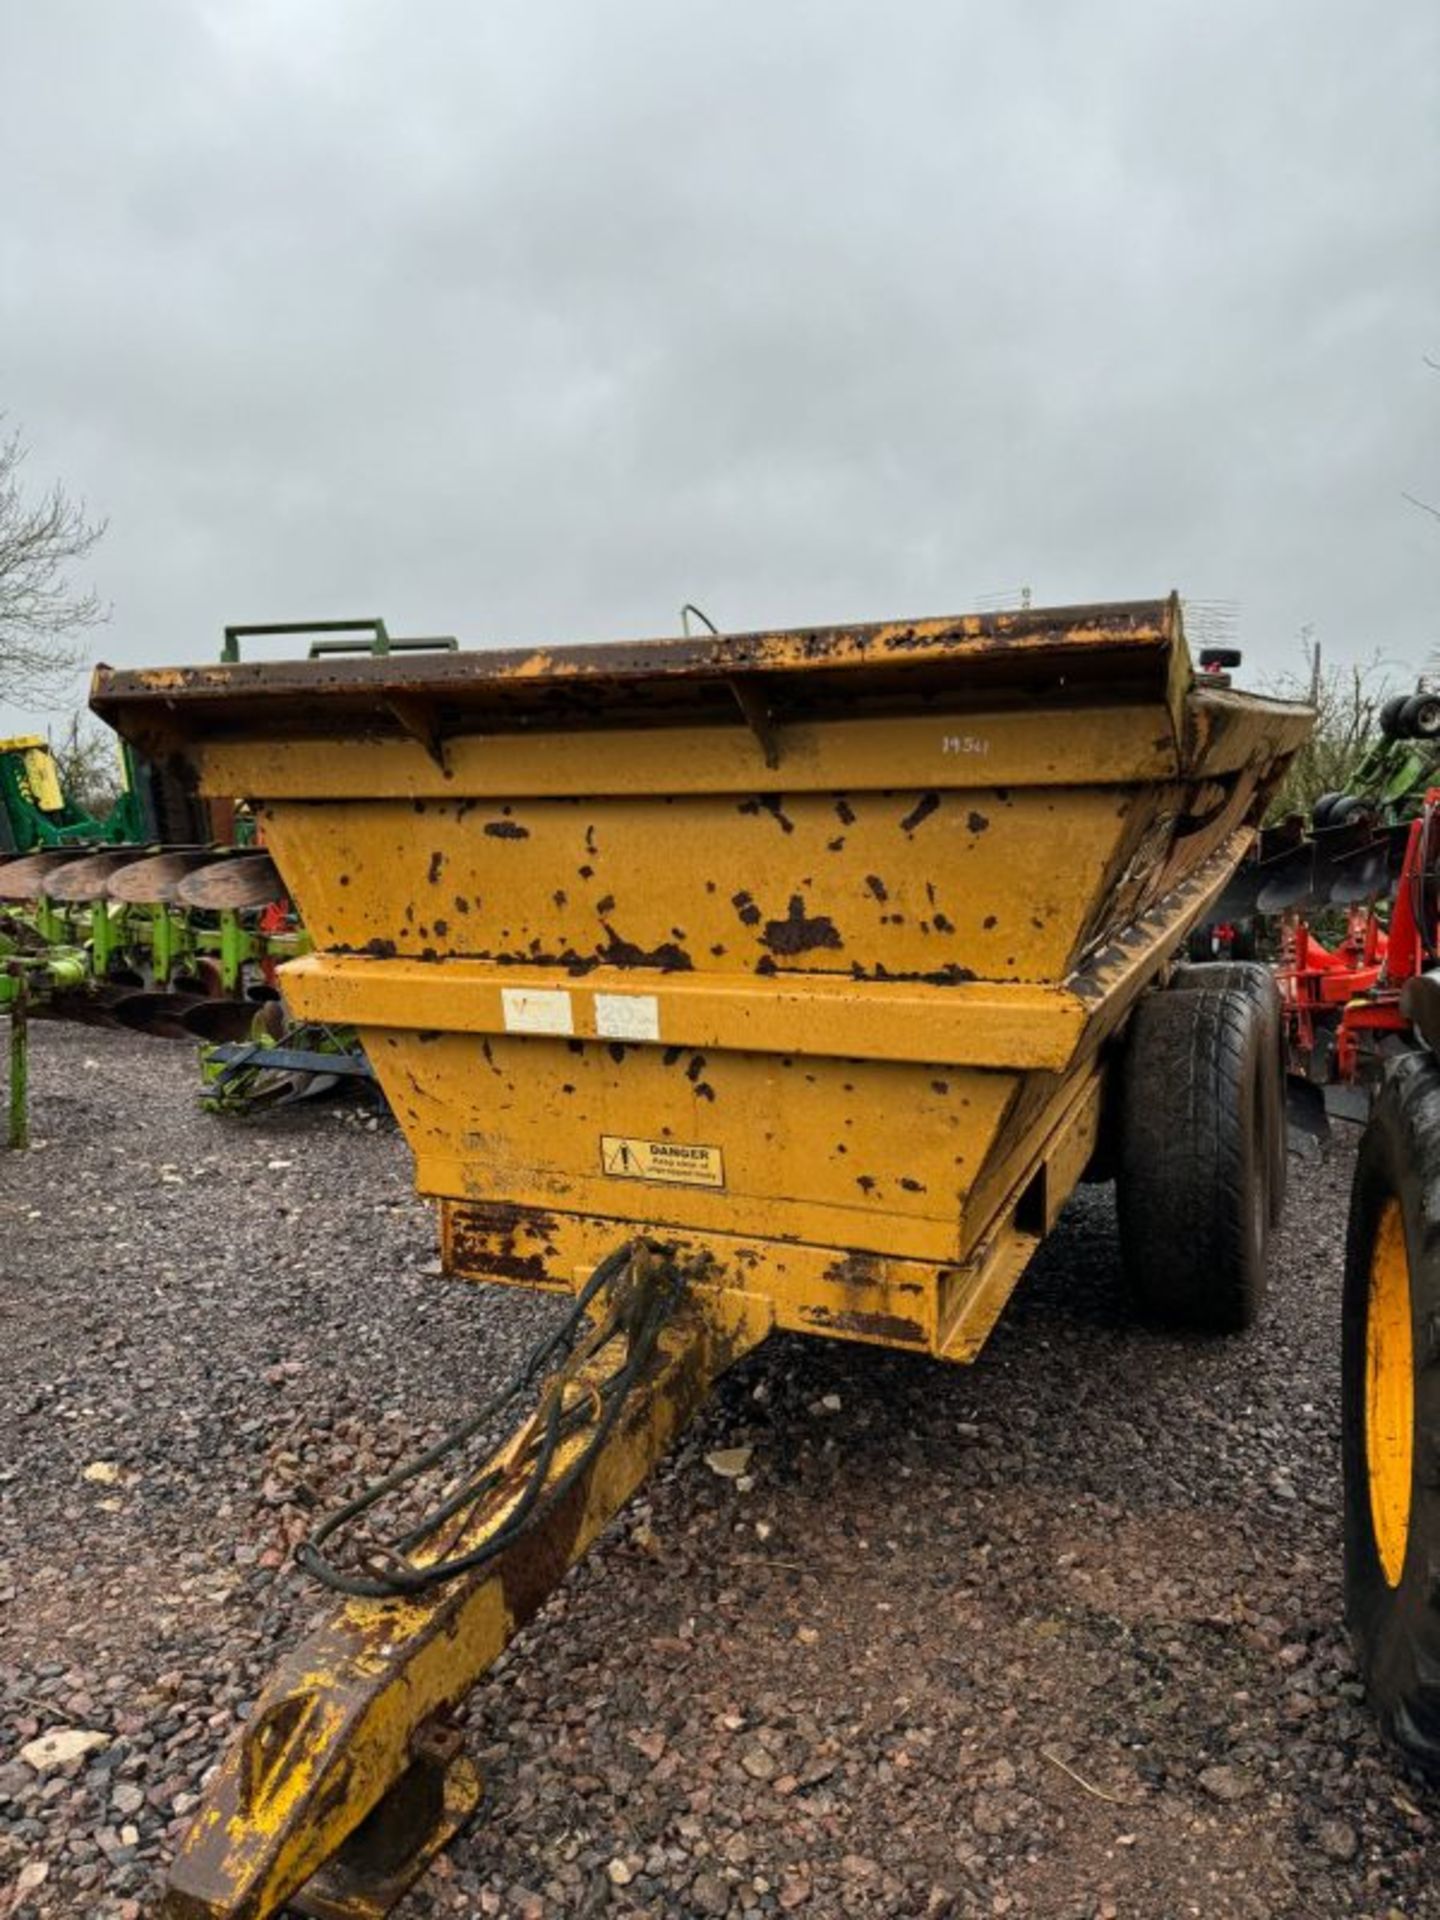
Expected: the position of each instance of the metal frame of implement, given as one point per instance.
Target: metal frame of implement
(795, 961)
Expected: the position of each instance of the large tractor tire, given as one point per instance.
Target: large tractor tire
(1259, 982)
(1193, 1179)
(1391, 1408)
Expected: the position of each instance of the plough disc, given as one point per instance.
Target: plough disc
(248, 880)
(91, 1006)
(220, 1020)
(1337, 866)
(154, 881)
(87, 879)
(24, 879)
(161, 1014)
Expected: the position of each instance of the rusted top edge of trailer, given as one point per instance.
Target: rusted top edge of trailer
(1075, 646)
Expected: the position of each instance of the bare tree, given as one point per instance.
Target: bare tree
(42, 615)
(88, 758)
(1347, 700)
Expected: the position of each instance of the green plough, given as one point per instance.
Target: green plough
(108, 923)
(164, 916)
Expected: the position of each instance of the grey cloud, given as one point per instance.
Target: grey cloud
(530, 322)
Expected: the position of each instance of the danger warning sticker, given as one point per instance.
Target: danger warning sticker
(668, 1160)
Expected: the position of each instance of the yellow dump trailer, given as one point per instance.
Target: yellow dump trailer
(777, 980)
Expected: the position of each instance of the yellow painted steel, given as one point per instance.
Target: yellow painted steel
(972, 1023)
(41, 773)
(947, 1308)
(839, 922)
(333, 1738)
(1390, 1392)
(804, 955)
(985, 747)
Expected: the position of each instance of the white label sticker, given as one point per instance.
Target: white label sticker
(669, 1161)
(537, 1010)
(627, 1016)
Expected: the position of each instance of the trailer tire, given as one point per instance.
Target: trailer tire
(1193, 1186)
(1390, 1401)
(1259, 982)
(1420, 717)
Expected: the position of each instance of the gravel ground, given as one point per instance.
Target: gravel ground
(1057, 1635)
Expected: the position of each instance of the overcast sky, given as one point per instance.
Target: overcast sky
(530, 322)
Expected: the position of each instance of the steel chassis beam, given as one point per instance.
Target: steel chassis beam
(348, 1777)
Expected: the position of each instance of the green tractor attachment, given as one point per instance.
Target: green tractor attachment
(165, 916)
(141, 920)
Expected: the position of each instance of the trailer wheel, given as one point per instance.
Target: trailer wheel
(1193, 1187)
(1391, 1408)
(1420, 717)
(1259, 982)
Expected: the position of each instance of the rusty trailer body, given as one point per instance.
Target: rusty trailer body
(805, 956)
(803, 945)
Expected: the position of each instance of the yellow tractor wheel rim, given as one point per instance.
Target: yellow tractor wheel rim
(1389, 1392)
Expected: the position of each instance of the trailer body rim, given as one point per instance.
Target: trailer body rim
(1389, 1392)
